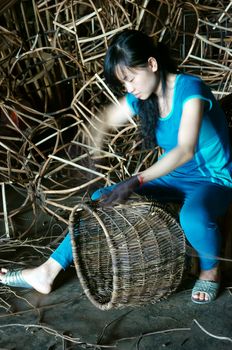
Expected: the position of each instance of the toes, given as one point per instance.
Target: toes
(2, 272)
(196, 296)
(201, 296)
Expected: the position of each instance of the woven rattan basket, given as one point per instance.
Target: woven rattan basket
(128, 255)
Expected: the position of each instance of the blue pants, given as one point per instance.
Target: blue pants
(203, 203)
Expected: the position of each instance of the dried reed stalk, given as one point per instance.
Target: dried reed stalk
(52, 88)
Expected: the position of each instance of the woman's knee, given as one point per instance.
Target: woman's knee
(199, 228)
(194, 220)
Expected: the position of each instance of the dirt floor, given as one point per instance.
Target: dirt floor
(66, 319)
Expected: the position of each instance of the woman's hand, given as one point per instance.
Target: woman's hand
(121, 192)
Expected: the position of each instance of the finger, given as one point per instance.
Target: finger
(110, 199)
(104, 197)
(117, 199)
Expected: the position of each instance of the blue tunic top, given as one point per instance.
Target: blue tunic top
(212, 160)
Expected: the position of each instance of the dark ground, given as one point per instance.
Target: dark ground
(66, 319)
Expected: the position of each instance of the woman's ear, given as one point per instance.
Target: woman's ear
(152, 63)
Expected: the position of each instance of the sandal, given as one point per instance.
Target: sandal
(210, 288)
(14, 279)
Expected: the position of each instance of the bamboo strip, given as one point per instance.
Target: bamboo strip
(210, 62)
(60, 60)
(203, 39)
(76, 165)
(109, 154)
(73, 189)
(7, 229)
(225, 29)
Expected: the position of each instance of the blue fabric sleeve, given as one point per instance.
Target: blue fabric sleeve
(132, 103)
(194, 87)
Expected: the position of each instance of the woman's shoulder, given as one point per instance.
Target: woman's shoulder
(190, 78)
(190, 84)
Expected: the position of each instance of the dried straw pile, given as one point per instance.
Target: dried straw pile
(128, 255)
(52, 89)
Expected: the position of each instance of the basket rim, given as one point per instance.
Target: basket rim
(115, 278)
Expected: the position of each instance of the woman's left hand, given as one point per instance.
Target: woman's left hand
(121, 192)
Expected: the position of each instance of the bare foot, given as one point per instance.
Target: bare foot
(40, 278)
(207, 275)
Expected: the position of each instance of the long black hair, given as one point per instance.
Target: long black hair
(131, 49)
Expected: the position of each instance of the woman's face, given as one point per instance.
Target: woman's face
(141, 81)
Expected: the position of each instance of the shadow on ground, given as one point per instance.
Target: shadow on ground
(66, 319)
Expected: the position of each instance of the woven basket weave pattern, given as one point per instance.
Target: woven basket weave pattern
(129, 255)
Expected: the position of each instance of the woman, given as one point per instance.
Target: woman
(179, 113)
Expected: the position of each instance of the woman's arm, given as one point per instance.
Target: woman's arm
(114, 115)
(187, 139)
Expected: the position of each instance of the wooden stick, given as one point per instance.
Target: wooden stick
(7, 229)
(76, 165)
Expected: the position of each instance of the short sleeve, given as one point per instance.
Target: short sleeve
(194, 87)
(132, 103)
